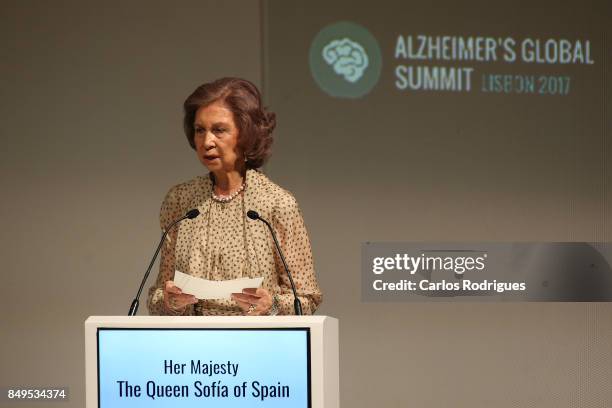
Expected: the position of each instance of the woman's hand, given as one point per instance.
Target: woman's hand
(254, 301)
(174, 298)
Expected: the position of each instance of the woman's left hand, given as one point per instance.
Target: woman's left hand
(254, 301)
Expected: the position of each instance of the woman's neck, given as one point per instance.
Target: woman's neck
(226, 183)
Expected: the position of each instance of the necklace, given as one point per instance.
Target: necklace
(230, 197)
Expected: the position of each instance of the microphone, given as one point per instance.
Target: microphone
(191, 214)
(297, 305)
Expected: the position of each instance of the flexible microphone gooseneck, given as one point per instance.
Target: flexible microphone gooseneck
(297, 305)
(191, 214)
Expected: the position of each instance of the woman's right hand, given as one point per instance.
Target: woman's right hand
(174, 298)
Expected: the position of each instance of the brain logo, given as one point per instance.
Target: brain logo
(345, 60)
(347, 57)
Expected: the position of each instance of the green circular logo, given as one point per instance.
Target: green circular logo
(345, 60)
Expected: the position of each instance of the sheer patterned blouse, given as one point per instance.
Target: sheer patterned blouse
(223, 243)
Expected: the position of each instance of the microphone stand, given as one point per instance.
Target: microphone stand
(297, 305)
(191, 214)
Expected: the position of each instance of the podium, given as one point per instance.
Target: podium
(212, 361)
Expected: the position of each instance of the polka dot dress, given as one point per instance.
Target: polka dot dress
(223, 243)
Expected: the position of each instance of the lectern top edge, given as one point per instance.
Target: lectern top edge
(207, 320)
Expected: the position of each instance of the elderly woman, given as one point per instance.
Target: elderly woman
(231, 134)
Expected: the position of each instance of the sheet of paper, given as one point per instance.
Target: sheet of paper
(207, 289)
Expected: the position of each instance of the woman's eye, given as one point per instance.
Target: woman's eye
(199, 130)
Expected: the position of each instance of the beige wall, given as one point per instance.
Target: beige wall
(448, 166)
(92, 140)
(92, 95)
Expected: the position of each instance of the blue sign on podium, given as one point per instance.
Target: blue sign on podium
(195, 367)
(219, 362)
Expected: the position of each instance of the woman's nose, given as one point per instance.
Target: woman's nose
(208, 140)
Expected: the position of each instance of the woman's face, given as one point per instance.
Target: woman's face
(216, 138)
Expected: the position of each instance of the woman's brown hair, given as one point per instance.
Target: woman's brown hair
(255, 124)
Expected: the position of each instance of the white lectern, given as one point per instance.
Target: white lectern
(196, 361)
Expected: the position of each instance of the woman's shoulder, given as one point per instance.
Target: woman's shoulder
(267, 190)
(186, 195)
(190, 189)
(270, 199)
